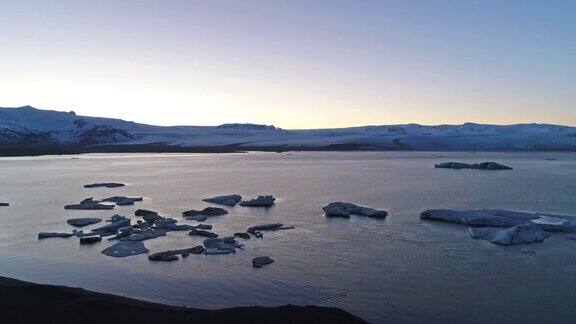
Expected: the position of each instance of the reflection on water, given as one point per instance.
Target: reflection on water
(398, 269)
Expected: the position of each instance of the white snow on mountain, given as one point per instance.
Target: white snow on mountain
(31, 126)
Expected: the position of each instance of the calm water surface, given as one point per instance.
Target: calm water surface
(400, 269)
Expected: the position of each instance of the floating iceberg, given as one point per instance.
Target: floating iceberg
(521, 234)
(342, 209)
(476, 166)
(226, 200)
(261, 201)
(125, 249)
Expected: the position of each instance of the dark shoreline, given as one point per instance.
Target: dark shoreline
(25, 302)
(8, 151)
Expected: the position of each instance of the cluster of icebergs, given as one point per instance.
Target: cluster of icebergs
(130, 237)
(502, 227)
(505, 227)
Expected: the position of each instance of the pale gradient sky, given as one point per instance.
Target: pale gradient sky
(294, 64)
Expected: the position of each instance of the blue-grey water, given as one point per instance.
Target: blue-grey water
(400, 269)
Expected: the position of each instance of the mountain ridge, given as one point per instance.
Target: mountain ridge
(28, 128)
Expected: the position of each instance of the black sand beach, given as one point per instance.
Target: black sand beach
(25, 302)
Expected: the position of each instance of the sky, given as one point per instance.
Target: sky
(293, 63)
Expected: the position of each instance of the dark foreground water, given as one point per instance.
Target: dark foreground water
(399, 269)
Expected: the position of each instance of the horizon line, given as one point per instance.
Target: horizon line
(298, 129)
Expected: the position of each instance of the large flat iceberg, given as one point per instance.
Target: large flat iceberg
(521, 234)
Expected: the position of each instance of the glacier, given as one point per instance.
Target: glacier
(25, 129)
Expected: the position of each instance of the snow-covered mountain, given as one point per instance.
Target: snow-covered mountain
(31, 128)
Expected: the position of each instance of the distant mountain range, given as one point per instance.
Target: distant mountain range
(27, 131)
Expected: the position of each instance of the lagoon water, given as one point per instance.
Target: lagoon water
(400, 269)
